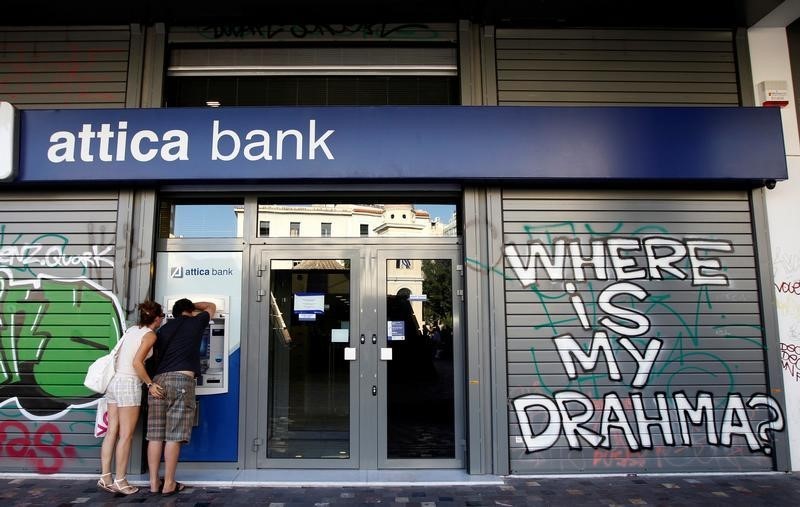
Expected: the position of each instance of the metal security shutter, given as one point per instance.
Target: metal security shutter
(616, 67)
(710, 366)
(405, 49)
(57, 263)
(64, 67)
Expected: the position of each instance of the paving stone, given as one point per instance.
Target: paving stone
(673, 491)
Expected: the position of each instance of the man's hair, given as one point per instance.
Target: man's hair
(180, 306)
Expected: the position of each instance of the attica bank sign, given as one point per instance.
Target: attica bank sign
(390, 143)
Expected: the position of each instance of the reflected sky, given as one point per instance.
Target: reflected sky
(205, 220)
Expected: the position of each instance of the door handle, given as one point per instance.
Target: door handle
(363, 339)
(374, 338)
(374, 390)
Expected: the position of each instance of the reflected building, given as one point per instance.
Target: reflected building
(356, 220)
(345, 221)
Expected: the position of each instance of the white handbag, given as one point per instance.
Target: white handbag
(102, 370)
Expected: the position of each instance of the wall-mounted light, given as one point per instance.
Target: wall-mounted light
(212, 103)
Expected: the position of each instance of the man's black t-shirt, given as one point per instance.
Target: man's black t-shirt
(178, 343)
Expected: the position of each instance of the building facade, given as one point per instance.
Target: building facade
(472, 245)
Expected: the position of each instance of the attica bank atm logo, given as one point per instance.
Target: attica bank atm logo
(184, 272)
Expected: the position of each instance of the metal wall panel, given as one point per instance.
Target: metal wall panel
(64, 66)
(301, 58)
(579, 323)
(58, 255)
(616, 67)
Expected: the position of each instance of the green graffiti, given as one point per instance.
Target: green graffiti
(51, 331)
(485, 267)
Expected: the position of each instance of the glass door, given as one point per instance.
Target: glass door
(360, 358)
(420, 411)
(306, 391)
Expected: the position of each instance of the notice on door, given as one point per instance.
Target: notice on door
(306, 302)
(340, 335)
(396, 330)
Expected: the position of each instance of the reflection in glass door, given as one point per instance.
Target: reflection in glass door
(420, 404)
(363, 363)
(309, 377)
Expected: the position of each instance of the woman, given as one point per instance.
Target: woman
(124, 395)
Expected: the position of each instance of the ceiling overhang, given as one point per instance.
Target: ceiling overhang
(534, 13)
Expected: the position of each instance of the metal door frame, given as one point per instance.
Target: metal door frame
(263, 256)
(368, 441)
(453, 254)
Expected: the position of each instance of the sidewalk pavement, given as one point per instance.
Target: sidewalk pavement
(729, 490)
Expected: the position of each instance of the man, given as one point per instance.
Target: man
(171, 396)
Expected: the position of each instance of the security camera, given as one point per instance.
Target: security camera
(770, 184)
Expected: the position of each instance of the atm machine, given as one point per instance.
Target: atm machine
(214, 345)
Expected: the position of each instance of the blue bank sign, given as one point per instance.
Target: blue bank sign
(385, 143)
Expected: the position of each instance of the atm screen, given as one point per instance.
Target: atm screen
(205, 349)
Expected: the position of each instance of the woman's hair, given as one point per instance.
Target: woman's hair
(149, 311)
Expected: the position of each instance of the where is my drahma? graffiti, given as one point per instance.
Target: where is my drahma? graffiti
(52, 326)
(621, 308)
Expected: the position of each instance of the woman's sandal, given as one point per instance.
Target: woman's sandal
(106, 486)
(122, 487)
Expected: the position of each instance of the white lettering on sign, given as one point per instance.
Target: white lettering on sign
(113, 145)
(226, 144)
(105, 143)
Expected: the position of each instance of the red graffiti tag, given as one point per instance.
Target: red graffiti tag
(101, 427)
(43, 447)
(790, 359)
(792, 287)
